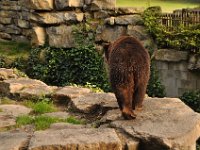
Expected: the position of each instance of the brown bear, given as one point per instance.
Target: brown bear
(129, 70)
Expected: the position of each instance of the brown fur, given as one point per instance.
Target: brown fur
(129, 67)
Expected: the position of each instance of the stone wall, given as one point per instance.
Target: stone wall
(14, 21)
(51, 22)
(178, 70)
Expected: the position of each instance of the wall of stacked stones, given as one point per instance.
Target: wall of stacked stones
(52, 22)
(14, 20)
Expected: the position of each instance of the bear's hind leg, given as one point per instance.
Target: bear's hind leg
(138, 97)
(124, 98)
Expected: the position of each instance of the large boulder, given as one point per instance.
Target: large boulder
(91, 102)
(85, 138)
(165, 123)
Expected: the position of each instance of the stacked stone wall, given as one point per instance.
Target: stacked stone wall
(14, 21)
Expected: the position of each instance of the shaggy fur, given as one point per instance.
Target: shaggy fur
(129, 67)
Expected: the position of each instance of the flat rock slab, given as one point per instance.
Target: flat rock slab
(61, 115)
(67, 93)
(36, 92)
(93, 101)
(78, 139)
(13, 140)
(163, 124)
(62, 125)
(11, 87)
(14, 110)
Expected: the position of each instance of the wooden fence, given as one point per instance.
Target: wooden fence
(185, 17)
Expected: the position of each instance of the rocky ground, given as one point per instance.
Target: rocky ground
(165, 123)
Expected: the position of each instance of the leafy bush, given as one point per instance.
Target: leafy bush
(180, 38)
(192, 99)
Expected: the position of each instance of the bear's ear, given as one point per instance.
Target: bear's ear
(106, 49)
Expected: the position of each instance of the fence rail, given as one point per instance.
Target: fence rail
(185, 17)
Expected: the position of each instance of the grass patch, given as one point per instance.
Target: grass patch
(73, 120)
(1, 110)
(5, 100)
(166, 5)
(24, 120)
(40, 107)
(44, 122)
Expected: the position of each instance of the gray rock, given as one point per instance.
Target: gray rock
(11, 87)
(102, 4)
(5, 36)
(41, 5)
(109, 33)
(69, 92)
(61, 126)
(35, 92)
(61, 36)
(61, 115)
(5, 20)
(13, 140)
(63, 4)
(128, 20)
(138, 32)
(128, 10)
(38, 36)
(163, 124)
(92, 102)
(170, 55)
(14, 110)
(111, 115)
(57, 18)
(89, 139)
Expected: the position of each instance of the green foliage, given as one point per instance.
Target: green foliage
(44, 122)
(24, 120)
(192, 99)
(41, 107)
(180, 38)
(80, 65)
(155, 88)
(73, 120)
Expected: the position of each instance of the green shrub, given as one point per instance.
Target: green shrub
(192, 99)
